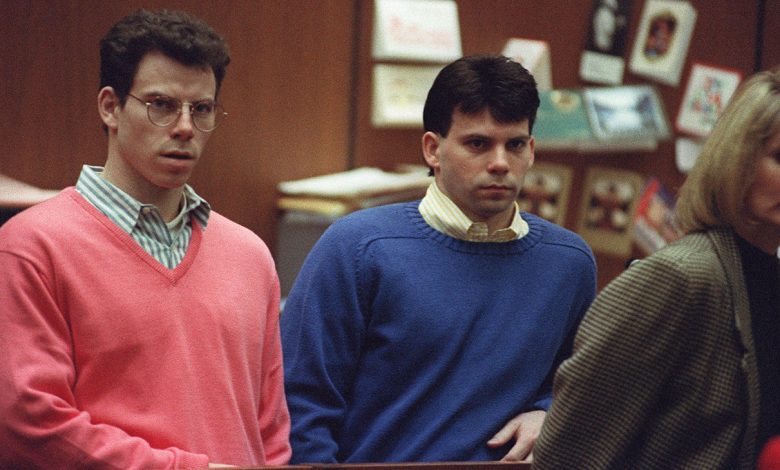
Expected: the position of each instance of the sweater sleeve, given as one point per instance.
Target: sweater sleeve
(42, 425)
(274, 417)
(322, 329)
(585, 293)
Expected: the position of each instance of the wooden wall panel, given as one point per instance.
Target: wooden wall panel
(290, 89)
(485, 27)
(771, 43)
(287, 91)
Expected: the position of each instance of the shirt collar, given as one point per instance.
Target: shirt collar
(123, 209)
(441, 213)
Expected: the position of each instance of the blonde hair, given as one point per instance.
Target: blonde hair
(714, 193)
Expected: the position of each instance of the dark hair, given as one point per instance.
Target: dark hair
(176, 34)
(474, 83)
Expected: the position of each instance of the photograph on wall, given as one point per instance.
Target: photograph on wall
(662, 40)
(545, 191)
(708, 91)
(602, 60)
(654, 225)
(607, 211)
(626, 112)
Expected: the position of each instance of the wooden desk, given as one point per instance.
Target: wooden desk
(428, 466)
(409, 466)
(16, 196)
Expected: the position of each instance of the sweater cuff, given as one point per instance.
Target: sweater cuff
(191, 461)
(541, 404)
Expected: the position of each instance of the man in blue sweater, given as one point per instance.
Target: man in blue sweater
(430, 330)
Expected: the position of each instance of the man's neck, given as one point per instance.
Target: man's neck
(167, 201)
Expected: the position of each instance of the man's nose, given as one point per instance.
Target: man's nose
(499, 161)
(184, 127)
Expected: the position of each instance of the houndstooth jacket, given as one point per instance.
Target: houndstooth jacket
(664, 372)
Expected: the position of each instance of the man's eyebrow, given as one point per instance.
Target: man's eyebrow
(475, 135)
(159, 94)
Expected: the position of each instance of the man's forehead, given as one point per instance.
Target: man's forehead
(484, 120)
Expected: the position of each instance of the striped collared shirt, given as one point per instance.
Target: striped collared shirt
(166, 242)
(441, 213)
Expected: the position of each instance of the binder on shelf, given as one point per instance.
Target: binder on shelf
(603, 119)
(626, 113)
(654, 225)
(561, 120)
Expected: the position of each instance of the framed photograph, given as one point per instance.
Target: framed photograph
(662, 40)
(399, 93)
(416, 30)
(545, 191)
(626, 113)
(708, 91)
(602, 60)
(607, 211)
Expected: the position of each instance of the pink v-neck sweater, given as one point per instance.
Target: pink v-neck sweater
(110, 360)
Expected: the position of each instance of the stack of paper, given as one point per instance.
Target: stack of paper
(340, 193)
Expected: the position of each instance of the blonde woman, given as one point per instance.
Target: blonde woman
(676, 364)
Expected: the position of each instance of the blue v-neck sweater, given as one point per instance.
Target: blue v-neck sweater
(404, 344)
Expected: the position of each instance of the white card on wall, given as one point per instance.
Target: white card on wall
(418, 30)
(534, 55)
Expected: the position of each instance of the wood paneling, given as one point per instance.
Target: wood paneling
(287, 91)
(290, 89)
(770, 52)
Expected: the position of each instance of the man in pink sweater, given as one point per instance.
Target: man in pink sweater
(139, 327)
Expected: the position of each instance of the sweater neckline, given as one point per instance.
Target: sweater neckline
(172, 275)
(535, 232)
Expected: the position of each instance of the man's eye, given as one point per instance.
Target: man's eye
(204, 107)
(477, 144)
(515, 144)
(164, 104)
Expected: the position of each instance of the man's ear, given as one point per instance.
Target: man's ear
(108, 105)
(430, 148)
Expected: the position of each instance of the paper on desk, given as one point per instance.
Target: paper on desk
(14, 193)
(355, 183)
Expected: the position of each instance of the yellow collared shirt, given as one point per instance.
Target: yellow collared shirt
(441, 213)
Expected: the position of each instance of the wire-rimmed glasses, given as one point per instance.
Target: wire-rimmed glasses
(163, 111)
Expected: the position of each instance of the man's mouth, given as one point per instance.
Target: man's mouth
(178, 155)
(496, 187)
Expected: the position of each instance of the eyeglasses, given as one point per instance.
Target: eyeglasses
(164, 111)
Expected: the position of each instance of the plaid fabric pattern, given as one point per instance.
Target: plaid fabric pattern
(663, 373)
